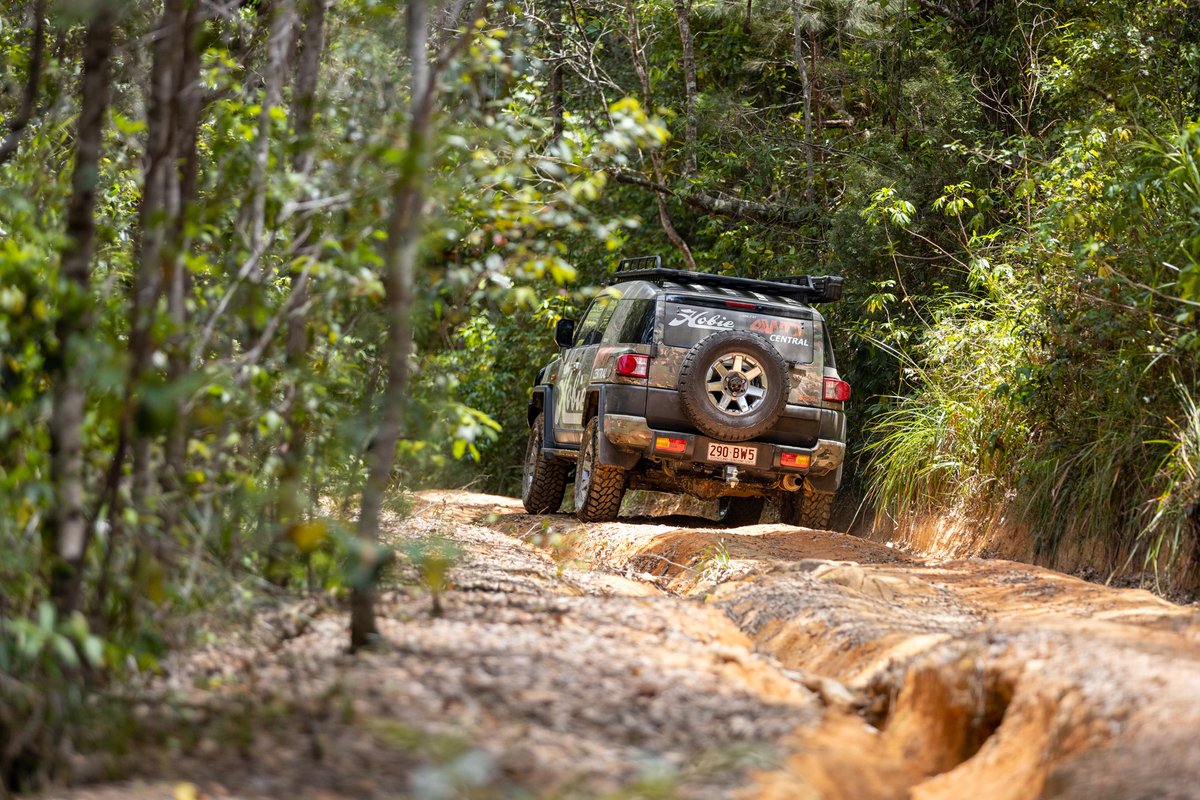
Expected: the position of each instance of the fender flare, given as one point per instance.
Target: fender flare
(539, 401)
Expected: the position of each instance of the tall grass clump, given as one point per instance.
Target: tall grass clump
(950, 439)
(1172, 529)
(1089, 476)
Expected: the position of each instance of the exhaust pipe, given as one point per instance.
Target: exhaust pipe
(791, 483)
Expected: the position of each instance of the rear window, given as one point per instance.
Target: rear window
(688, 323)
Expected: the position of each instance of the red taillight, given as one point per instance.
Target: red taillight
(632, 365)
(798, 460)
(836, 391)
(738, 304)
(670, 445)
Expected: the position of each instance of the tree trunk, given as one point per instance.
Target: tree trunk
(157, 217)
(557, 106)
(159, 198)
(311, 45)
(399, 264)
(188, 105)
(69, 532)
(16, 128)
(664, 216)
(683, 11)
(806, 88)
(400, 254)
(253, 214)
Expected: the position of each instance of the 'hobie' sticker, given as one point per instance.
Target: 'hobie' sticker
(695, 318)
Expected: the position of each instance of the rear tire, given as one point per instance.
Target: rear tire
(740, 511)
(543, 482)
(808, 508)
(598, 488)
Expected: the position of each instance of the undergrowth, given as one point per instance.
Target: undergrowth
(1060, 390)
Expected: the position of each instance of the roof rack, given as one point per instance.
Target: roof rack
(806, 288)
(624, 264)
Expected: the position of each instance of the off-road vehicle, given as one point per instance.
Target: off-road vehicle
(714, 386)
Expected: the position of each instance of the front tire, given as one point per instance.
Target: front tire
(543, 482)
(598, 488)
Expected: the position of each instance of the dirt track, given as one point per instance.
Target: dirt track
(673, 658)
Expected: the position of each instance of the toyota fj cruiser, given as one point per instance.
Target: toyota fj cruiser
(709, 385)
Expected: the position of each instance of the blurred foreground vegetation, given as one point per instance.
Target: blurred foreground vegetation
(226, 230)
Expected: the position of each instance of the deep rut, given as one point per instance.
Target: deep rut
(967, 678)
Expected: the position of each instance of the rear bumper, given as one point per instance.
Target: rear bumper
(632, 434)
(798, 425)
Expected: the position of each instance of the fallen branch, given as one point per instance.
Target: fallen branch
(768, 213)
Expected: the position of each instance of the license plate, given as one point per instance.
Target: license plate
(732, 453)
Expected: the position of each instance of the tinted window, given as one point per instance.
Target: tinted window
(590, 330)
(637, 326)
(829, 359)
(688, 324)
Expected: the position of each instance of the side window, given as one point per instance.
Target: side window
(829, 359)
(591, 328)
(637, 325)
(606, 316)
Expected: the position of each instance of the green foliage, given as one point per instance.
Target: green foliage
(42, 662)
(1058, 409)
(714, 563)
(1174, 510)
(1015, 203)
(432, 559)
(950, 439)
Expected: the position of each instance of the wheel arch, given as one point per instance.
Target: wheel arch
(591, 406)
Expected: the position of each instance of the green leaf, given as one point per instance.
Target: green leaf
(93, 651)
(65, 650)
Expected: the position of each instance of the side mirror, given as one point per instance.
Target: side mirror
(564, 332)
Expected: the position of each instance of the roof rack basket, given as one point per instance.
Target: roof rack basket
(805, 288)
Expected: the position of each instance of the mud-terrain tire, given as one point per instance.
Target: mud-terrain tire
(543, 482)
(740, 511)
(733, 385)
(808, 508)
(598, 488)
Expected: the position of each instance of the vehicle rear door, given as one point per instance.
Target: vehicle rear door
(691, 319)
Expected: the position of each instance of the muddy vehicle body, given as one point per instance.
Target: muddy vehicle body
(712, 386)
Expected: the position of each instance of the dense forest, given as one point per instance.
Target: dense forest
(264, 265)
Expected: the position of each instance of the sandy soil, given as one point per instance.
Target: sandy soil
(669, 657)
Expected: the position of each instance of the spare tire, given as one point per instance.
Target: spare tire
(733, 385)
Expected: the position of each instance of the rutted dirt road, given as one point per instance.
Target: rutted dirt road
(670, 657)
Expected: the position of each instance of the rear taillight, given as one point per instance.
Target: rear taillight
(670, 445)
(632, 365)
(797, 460)
(836, 391)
